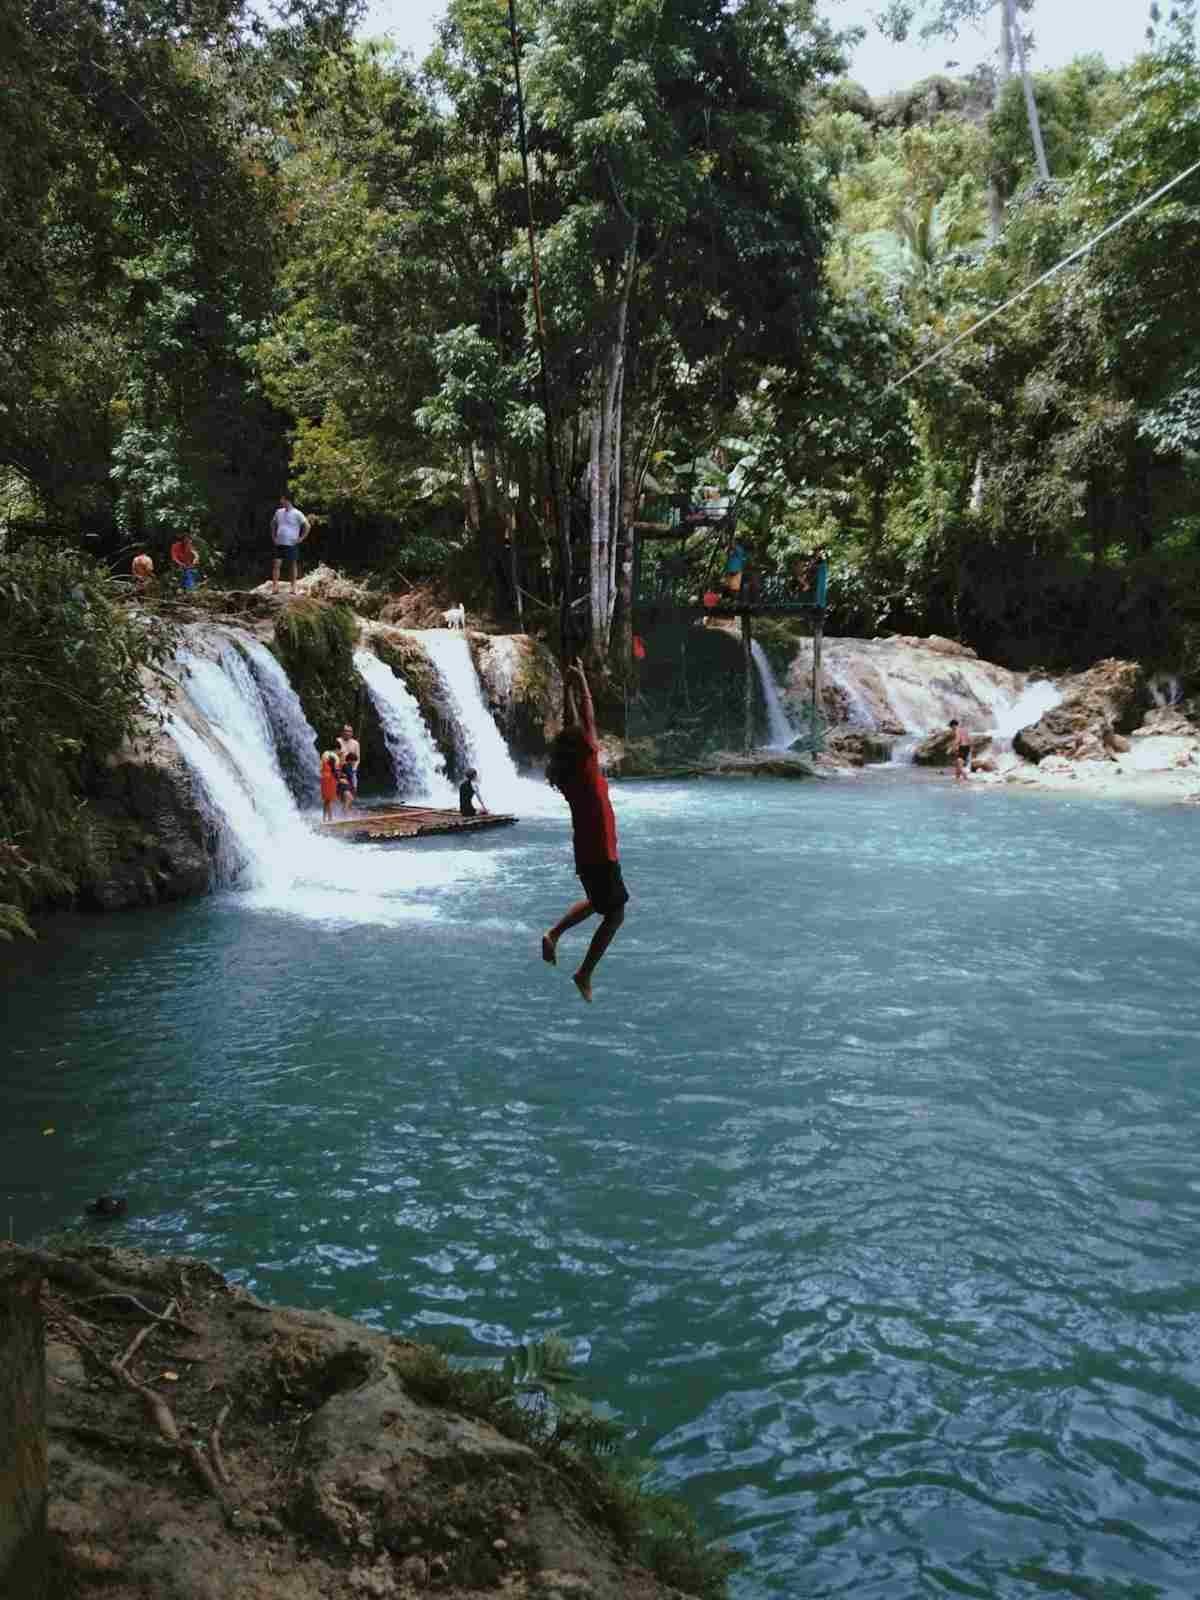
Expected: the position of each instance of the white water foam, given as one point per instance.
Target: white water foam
(780, 733)
(1029, 707)
(417, 763)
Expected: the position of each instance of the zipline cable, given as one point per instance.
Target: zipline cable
(1037, 282)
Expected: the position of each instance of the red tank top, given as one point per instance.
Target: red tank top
(592, 820)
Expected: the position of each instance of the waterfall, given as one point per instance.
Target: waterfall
(295, 737)
(780, 733)
(238, 766)
(417, 764)
(1029, 707)
(857, 707)
(902, 752)
(221, 723)
(1166, 689)
(483, 746)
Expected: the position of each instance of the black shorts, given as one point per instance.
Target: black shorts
(604, 886)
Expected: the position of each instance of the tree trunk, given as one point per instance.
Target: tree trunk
(1031, 111)
(23, 1472)
(1003, 74)
(605, 458)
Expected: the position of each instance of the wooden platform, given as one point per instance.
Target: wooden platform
(409, 822)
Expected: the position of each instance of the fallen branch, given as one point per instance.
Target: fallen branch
(163, 1317)
(135, 1346)
(214, 1445)
(155, 1406)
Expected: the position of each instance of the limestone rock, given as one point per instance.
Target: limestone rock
(523, 688)
(149, 843)
(1109, 698)
(857, 747)
(938, 749)
(1171, 721)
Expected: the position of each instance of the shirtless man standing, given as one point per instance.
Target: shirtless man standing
(349, 756)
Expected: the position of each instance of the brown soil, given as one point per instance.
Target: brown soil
(256, 1453)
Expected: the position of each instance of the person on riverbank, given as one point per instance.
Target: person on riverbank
(468, 793)
(574, 770)
(960, 749)
(329, 784)
(142, 568)
(735, 565)
(289, 529)
(185, 557)
(349, 756)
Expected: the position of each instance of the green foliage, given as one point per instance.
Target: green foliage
(75, 663)
(529, 1396)
(315, 642)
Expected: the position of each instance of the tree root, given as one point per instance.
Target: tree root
(215, 1457)
(123, 1361)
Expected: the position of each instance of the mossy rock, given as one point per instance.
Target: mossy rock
(315, 642)
(523, 687)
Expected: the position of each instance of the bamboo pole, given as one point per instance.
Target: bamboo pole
(818, 635)
(748, 671)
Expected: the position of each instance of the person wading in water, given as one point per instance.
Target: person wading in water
(574, 770)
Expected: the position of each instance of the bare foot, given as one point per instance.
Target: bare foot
(549, 953)
(584, 985)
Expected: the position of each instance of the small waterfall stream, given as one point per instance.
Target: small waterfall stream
(237, 765)
(295, 736)
(417, 763)
(1029, 707)
(482, 744)
(780, 733)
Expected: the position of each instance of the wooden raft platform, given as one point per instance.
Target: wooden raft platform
(409, 822)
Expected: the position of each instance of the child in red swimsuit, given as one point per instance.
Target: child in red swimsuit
(574, 769)
(329, 784)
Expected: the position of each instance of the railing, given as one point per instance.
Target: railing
(674, 585)
(676, 511)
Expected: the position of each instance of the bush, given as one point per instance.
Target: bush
(77, 672)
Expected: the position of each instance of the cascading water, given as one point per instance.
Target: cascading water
(858, 712)
(247, 788)
(483, 746)
(780, 733)
(295, 736)
(420, 771)
(222, 726)
(1166, 689)
(1029, 707)
(902, 752)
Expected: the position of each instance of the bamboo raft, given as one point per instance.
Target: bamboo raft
(409, 822)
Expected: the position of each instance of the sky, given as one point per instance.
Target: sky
(1062, 29)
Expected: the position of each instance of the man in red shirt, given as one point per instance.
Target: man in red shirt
(183, 554)
(574, 769)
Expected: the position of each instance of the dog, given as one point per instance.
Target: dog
(456, 617)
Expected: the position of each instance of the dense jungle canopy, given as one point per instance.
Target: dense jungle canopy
(239, 254)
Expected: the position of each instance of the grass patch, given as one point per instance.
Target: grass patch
(530, 1398)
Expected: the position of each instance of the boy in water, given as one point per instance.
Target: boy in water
(961, 750)
(574, 770)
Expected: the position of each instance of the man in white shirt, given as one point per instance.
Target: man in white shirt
(289, 529)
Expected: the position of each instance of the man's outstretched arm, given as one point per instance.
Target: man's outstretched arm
(586, 714)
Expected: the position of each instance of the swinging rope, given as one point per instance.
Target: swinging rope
(1037, 282)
